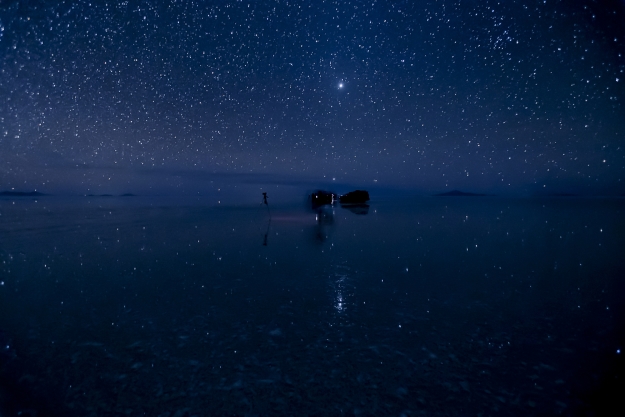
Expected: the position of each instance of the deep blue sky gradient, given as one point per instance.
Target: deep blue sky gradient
(511, 97)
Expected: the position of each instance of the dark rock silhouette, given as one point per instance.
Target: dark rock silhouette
(321, 198)
(355, 197)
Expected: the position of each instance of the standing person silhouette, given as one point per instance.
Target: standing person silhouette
(269, 221)
(266, 203)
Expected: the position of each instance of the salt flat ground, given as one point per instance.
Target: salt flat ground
(415, 306)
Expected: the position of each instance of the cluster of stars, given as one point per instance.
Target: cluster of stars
(427, 94)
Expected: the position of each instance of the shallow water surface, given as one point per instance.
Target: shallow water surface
(413, 306)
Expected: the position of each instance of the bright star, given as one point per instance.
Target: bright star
(340, 85)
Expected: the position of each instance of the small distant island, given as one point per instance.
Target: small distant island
(457, 193)
(355, 197)
(321, 198)
(21, 194)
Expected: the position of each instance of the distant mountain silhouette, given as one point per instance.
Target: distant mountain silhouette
(457, 193)
(128, 195)
(562, 195)
(21, 193)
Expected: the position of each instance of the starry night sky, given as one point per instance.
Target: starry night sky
(511, 96)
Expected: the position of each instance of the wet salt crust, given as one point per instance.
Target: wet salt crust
(422, 306)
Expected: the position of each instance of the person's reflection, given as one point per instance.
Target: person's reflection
(265, 237)
(324, 220)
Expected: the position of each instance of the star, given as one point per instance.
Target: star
(258, 109)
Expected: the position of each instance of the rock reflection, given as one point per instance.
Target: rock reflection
(360, 209)
(324, 220)
(265, 237)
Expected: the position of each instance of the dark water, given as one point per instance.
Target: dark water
(423, 306)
